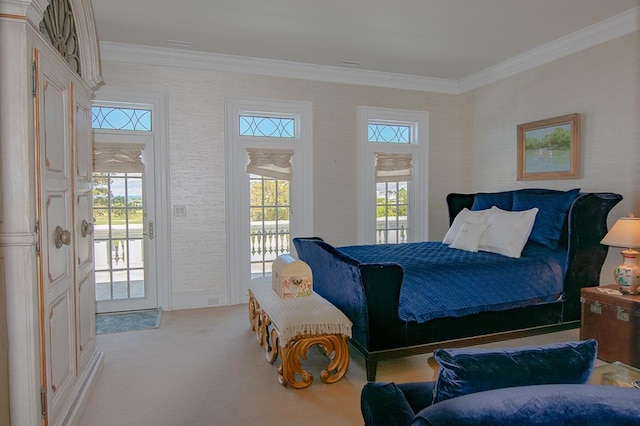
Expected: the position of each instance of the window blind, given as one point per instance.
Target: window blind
(393, 167)
(117, 158)
(273, 163)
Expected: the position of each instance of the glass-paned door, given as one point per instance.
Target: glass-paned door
(392, 205)
(269, 215)
(124, 230)
(118, 206)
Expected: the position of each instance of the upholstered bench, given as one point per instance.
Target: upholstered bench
(289, 327)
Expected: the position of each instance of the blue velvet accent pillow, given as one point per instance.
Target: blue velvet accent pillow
(486, 200)
(466, 371)
(553, 207)
(384, 404)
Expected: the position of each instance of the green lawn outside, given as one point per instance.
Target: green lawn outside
(133, 220)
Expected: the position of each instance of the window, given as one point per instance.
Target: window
(392, 175)
(388, 133)
(269, 217)
(269, 172)
(269, 185)
(132, 213)
(270, 127)
(117, 118)
(118, 212)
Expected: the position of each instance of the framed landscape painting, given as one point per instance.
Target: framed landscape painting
(549, 149)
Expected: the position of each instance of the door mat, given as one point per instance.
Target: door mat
(128, 321)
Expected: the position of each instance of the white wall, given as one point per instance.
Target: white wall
(195, 105)
(602, 84)
(472, 144)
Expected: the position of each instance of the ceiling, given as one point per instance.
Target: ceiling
(449, 39)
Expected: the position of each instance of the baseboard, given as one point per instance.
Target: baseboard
(195, 300)
(86, 384)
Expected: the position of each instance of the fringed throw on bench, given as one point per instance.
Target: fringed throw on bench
(300, 316)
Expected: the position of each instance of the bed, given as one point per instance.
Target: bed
(414, 298)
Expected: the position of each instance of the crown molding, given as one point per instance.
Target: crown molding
(617, 26)
(609, 29)
(229, 63)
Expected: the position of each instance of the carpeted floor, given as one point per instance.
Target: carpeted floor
(128, 321)
(204, 367)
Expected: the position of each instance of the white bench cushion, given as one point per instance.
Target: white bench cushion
(312, 315)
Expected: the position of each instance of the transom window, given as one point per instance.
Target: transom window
(270, 127)
(389, 133)
(115, 118)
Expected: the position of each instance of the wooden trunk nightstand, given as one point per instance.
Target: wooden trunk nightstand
(614, 321)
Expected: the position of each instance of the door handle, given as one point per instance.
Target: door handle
(150, 233)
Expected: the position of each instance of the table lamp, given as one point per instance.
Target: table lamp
(626, 233)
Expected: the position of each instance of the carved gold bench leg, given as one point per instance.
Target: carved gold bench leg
(254, 312)
(260, 323)
(296, 350)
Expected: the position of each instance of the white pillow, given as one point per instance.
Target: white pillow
(469, 236)
(465, 215)
(509, 231)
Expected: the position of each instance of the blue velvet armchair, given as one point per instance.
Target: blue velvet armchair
(541, 385)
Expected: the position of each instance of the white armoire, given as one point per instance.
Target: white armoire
(49, 69)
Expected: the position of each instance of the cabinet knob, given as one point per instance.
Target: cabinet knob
(62, 237)
(86, 228)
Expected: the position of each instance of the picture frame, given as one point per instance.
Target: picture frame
(549, 149)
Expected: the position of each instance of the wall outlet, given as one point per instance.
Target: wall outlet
(212, 301)
(179, 211)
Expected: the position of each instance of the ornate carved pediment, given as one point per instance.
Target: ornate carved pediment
(59, 26)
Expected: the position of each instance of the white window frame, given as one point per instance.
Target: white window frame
(418, 121)
(301, 186)
(116, 96)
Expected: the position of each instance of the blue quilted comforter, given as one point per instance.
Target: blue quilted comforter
(444, 282)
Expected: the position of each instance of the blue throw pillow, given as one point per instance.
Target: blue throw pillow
(553, 207)
(466, 371)
(486, 200)
(385, 404)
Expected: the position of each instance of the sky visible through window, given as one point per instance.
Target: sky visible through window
(111, 118)
(272, 127)
(388, 133)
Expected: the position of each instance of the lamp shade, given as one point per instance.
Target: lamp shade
(624, 233)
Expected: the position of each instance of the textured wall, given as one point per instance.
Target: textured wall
(195, 106)
(472, 143)
(603, 85)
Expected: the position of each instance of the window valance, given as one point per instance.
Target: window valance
(273, 163)
(118, 158)
(393, 167)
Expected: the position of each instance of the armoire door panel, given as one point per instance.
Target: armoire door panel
(86, 318)
(58, 248)
(83, 150)
(61, 347)
(55, 107)
(84, 230)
